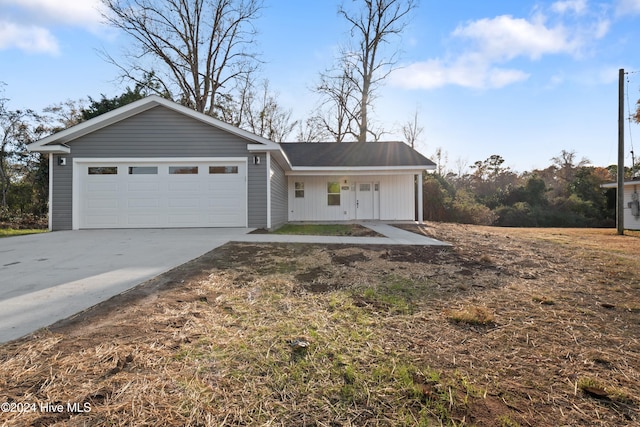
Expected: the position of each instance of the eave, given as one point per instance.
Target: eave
(52, 149)
(358, 170)
(615, 185)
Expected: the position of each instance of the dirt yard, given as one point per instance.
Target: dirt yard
(508, 327)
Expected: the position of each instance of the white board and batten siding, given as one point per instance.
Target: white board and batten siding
(160, 193)
(631, 222)
(361, 197)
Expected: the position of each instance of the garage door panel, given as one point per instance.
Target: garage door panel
(222, 180)
(189, 186)
(184, 203)
(143, 186)
(182, 220)
(224, 222)
(143, 203)
(144, 220)
(155, 200)
(102, 204)
(102, 186)
(102, 221)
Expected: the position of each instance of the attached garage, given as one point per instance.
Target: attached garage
(160, 193)
(157, 164)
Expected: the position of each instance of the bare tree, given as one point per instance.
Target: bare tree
(441, 161)
(312, 130)
(461, 166)
(566, 164)
(260, 113)
(15, 133)
(63, 115)
(201, 48)
(412, 131)
(373, 24)
(336, 114)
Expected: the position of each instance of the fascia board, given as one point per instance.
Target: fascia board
(51, 149)
(265, 146)
(615, 184)
(391, 170)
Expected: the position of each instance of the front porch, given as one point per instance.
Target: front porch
(386, 197)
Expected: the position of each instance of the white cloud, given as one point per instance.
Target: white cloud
(576, 6)
(505, 37)
(83, 13)
(491, 43)
(627, 7)
(469, 71)
(31, 39)
(601, 28)
(28, 24)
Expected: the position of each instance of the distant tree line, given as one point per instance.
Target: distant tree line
(567, 193)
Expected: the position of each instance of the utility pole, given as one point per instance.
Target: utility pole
(620, 190)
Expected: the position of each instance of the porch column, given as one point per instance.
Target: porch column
(420, 214)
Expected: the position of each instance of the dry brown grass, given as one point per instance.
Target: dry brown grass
(473, 315)
(210, 343)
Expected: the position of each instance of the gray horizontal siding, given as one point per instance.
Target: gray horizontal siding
(158, 132)
(61, 203)
(279, 196)
(258, 197)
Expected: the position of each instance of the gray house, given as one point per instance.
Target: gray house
(156, 164)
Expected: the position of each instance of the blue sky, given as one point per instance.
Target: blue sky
(523, 79)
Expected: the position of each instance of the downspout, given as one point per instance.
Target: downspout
(420, 196)
(268, 190)
(50, 197)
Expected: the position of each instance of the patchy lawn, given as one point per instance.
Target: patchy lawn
(326, 230)
(9, 232)
(510, 327)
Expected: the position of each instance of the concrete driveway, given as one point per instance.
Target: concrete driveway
(48, 277)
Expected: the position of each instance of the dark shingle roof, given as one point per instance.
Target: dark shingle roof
(353, 154)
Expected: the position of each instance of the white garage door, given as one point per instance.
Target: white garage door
(161, 194)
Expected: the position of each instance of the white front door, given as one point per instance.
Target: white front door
(364, 200)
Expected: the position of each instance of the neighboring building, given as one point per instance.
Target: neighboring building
(156, 164)
(631, 202)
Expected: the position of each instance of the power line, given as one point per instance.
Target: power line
(630, 117)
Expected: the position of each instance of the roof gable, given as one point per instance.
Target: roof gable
(56, 142)
(355, 154)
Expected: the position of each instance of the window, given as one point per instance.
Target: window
(333, 194)
(223, 169)
(299, 190)
(143, 170)
(365, 187)
(103, 170)
(183, 170)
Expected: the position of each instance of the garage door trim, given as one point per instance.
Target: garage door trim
(78, 163)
